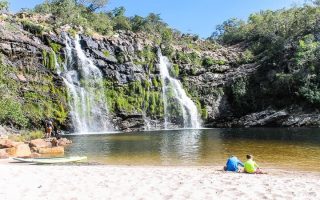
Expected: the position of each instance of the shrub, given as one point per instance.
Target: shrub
(32, 135)
(4, 5)
(32, 28)
(101, 23)
(175, 70)
(55, 47)
(204, 113)
(247, 56)
(168, 51)
(155, 82)
(120, 57)
(166, 35)
(11, 112)
(182, 58)
(106, 53)
(207, 62)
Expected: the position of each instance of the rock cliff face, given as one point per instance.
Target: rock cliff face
(214, 79)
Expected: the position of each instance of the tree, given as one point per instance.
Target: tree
(316, 2)
(118, 12)
(93, 5)
(121, 22)
(138, 23)
(4, 5)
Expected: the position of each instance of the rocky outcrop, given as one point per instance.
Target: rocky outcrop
(22, 150)
(64, 142)
(302, 120)
(260, 119)
(40, 143)
(51, 151)
(49, 146)
(34, 148)
(11, 151)
(271, 118)
(6, 143)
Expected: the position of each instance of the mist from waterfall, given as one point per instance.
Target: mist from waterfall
(86, 96)
(172, 90)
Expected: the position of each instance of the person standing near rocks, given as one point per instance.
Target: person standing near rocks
(49, 128)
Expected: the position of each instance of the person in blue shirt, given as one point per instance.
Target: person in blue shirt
(232, 164)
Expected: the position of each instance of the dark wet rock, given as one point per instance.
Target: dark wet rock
(264, 118)
(100, 55)
(299, 120)
(88, 43)
(132, 124)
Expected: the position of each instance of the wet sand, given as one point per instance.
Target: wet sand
(25, 181)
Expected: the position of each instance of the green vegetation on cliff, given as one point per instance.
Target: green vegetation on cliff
(286, 44)
(26, 103)
(135, 97)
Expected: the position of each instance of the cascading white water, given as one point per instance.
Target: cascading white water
(84, 81)
(191, 118)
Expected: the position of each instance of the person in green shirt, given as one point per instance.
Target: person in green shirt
(251, 167)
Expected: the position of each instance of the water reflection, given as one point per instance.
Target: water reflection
(180, 146)
(285, 148)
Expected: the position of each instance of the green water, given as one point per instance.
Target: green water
(296, 149)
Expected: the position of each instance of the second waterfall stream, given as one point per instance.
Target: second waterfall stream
(175, 98)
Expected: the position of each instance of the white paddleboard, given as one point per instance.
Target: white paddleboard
(51, 160)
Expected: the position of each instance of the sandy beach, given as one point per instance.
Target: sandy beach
(71, 182)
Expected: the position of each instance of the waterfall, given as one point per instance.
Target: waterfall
(84, 81)
(175, 98)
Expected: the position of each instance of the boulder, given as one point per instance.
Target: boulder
(11, 151)
(23, 150)
(100, 55)
(88, 42)
(6, 143)
(3, 131)
(53, 150)
(3, 154)
(15, 144)
(40, 143)
(64, 142)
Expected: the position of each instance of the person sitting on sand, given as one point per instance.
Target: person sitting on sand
(251, 167)
(232, 164)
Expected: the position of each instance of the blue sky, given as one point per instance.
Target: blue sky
(189, 16)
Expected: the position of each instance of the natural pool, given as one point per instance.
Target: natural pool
(296, 149)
